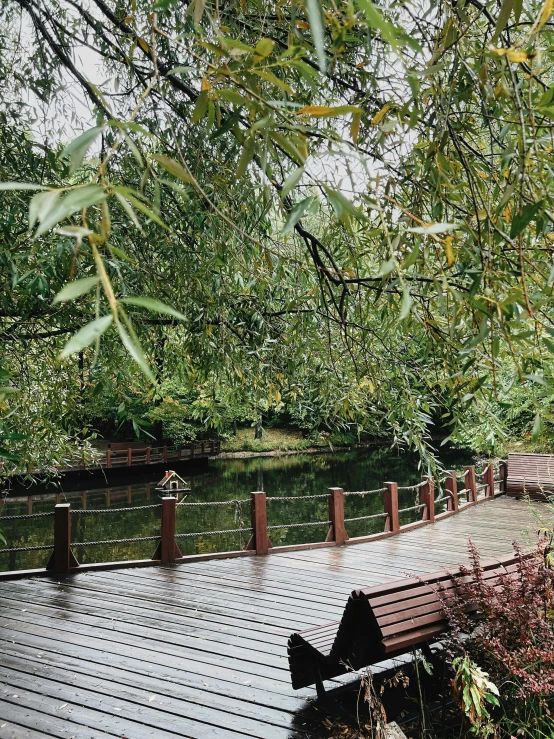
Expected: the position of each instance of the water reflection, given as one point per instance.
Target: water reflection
(298, 476)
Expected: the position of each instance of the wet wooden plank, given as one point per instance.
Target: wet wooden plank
(209, 637)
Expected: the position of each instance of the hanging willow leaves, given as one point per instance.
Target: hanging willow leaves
(87, 335)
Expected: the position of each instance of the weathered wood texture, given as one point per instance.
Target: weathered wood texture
(530, 474)
(200, 649)
(383, 620)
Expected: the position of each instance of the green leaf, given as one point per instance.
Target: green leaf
(154, 305)
(518, 6)
(77, 149)
(387, 267)
(264, 47)
(41, 204)
(549, 344)
(290, 183)
(200, 107)
(313, 9)
(75, 200)
(537, 425)
(20, 186)
(412, 257)
(87, 335)
(76, 288)
(341, 204)
(296, 213)
(144, 209)
(374, 19)
(180, 70)
(198, 12)
(288, 146)
(246, 156)
(5, 454)
(502, 20)
(433, 228)
(173, 167)
(546, 98)
(406, 304)
(232, 96)
(521, 221)
(76, 232)
(136, 352)
(270, 77)
(128, 208)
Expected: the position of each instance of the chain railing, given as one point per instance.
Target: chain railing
(258, 528)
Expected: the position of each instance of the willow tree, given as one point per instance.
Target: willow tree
(280, 191)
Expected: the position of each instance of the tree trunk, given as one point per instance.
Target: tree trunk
(259, 429)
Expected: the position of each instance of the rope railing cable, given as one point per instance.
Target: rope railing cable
(114, 541)
(366, 518)
(212, 533)
(205, 504)
(271, 498)
(366, 492)
(412, 487)
(412, 508)
(298, 525)
(26, 549)
(26, 515)
(86, 511)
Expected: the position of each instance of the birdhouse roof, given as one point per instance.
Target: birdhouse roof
(170, 475)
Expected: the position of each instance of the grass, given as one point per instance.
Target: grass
(273, 440)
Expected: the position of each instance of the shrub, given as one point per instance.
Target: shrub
(514, 640)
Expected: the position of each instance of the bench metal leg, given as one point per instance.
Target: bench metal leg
(320, 689)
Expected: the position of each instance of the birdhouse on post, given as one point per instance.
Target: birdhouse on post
(172, 483)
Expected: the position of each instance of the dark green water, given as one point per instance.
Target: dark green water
(297, 475)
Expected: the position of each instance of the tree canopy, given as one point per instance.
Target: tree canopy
(343, 210)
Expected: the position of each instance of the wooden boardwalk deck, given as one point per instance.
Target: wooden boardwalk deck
(199, 650)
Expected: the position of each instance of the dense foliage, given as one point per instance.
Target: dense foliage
(513, 645)
(338, 212)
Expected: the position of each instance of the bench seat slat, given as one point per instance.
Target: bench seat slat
(385, 620)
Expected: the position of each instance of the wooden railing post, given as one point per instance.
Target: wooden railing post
(129, 457)
(148, 452)
(258, 515)
(165, 453)
(503, 470)
(470, 483)
(451, 486)
(179, 453)
(62, 558)
(337, 531)
(191, 454)
(391, 506)
(168, 549)
(108, 457)
(488, 479)
(428, 497)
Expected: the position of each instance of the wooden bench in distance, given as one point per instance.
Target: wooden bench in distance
(378, 623)
(530, 474)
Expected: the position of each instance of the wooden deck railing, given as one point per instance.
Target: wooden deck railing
(62, 559)
(158, 454)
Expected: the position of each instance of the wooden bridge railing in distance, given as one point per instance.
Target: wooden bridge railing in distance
(123, 455)
(167, 551)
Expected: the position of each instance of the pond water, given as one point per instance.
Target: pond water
(224, 480)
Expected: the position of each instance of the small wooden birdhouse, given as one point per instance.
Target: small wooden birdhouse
(172, 483)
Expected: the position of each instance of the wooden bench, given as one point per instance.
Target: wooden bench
(530, 474)
(378, 623)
